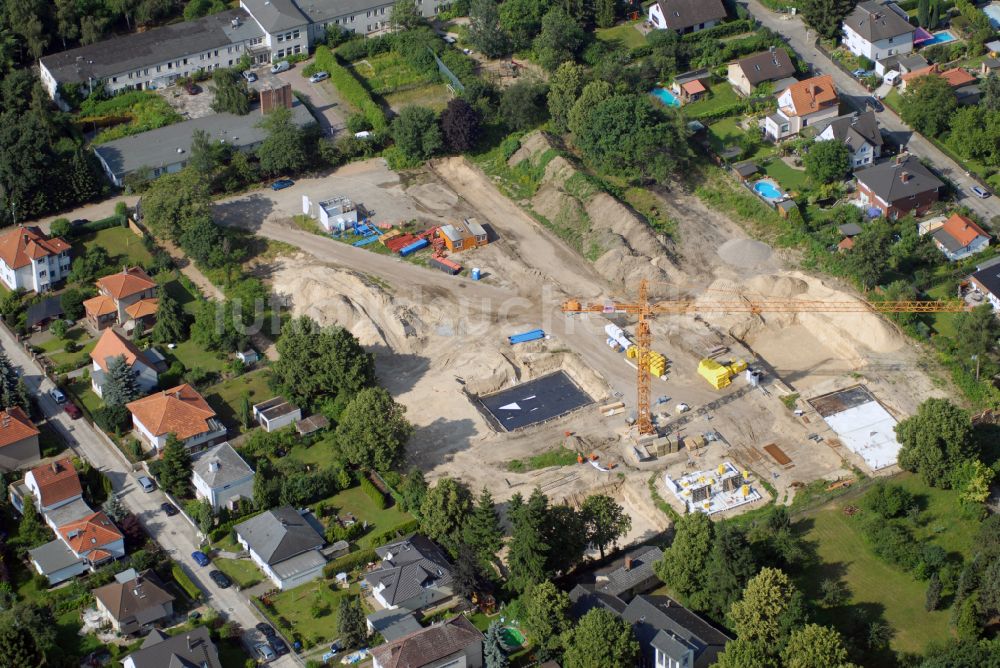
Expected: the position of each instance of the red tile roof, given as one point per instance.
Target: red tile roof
(179, 410)
(813, 94)
(15, 426)
(90, 533)
(57, 481)
(20, 245)
(131, 281)
(112, 344)
(143, 307)
(847, 243)
(958, 77)
(428, 645)
(693, 87)
(99, 305)
(962, 229)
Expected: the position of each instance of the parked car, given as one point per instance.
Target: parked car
(281, 184)
(79, 221)
(169, 509)
(192, 88)
(72, 410)
(858, 73)
(194, 616)
(264, 651)
(221, 579)
(280, 646)
(249, 76)
(319, 76)
(266, 629)
(146, 484)
(281, 66)
(980, 192)
(57, 395)
(873, 102)
(201, 559)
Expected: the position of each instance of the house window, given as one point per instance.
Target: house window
(368, 14)
(298, 48)
(295, 34)
(281, 38)
(784, 127)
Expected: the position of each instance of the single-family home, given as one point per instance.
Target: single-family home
(18, 440)
(453, 642)
(285, 545)
(29, 260)
(803, 104)
(112, 345)
(134, 602)
(221, 477)
(959, 79)
(986, 281)
(413, 574)
(684, 16)
(180, 411)
(52, 485)
(276, 413)
(877, 31)
(960, 237)
(691, 86)
(463, 235)
(989, 66)
(392, 624)
(858, 132)
(670, 635)
(773, 65)
(117, 293)
(898, 187)
(630, 575)
(94, 538)
(893, 67)
(190, 649)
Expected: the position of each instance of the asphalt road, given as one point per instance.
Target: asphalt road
(175, 534)
(802, 40)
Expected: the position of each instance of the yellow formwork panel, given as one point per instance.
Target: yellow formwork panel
(717, 375)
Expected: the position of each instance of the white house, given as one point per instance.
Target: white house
(803, 104)
(414, 574)
(986, 281)
(31, 261)
(276, 413)
(112, 345)
(960, 238)
(180, 411)
(684, 16)
(221, 477)
(859, 133)
(53, 485)
(876, 31)
(284, 545)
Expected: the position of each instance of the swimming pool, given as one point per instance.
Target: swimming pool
(942, 37)
(992, 10)
(666, 97)
(768, 189)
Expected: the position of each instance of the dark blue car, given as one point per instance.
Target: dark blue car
(281, 184)
(200, 558)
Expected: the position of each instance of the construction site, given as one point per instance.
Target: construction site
(542, 348)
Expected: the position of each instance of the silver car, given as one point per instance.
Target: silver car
(319, 76)
(281, 66)
(265, 652)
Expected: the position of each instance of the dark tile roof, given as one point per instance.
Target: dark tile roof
(853, 129)
(662, 622)
(616, 580)
(766, 66)
(989, 277)
(887, 180)
(850, 229)
(48, 308)
(140, 600)
(746, 168)
(408, 566)
(393, 624)
(583, 599)
(682, 14)
(429, 645)
(220, 466)
(193, 649)
(279, 534)
(876, 22)
(276, 15)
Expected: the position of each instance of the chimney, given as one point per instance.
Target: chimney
(213, 465)
(905, 176)
(190, 643)
(55, 467)
(628, 563)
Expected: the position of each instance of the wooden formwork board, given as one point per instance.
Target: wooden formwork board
(778, 455)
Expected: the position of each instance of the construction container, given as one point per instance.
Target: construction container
(618, 335)
(475, 273)
(444, 264)
(414, 247)
(524, 337)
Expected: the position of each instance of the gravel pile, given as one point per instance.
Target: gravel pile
(744, 253)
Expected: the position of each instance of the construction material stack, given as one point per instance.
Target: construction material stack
(719, 375)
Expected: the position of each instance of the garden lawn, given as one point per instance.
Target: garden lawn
(69, 643)
(943, 323)
(192, 355)
(225, 397)
(180, 294)
(82, 356)
(433, 96)
(85, 395)
(321, 453)
(722, 96)
(354, 500)
(626, 34)
(843, 552)
(296, 606)
(121, 244)
(242, 571)
(387, 72)
(790, 179)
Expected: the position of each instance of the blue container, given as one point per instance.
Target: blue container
(475, 273)
(414, 247)
(524, 337)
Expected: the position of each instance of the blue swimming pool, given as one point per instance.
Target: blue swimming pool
(666, 97)
(942, 37)
(768, 190)
(992, 10)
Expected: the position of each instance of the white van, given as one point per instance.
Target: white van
(146, 484)
(891, 77)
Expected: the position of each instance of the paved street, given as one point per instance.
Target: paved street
(174, 534)
(801, 38)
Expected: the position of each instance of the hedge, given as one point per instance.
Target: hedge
(223, 529)
(356, 49)
(350, 88)
(349, 562)
(97, 225)
(185, 582)
(386, 537)
(721, 30)
(373, 492)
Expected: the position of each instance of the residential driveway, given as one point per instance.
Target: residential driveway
(322, 96)
(174, 534)
(801, 39)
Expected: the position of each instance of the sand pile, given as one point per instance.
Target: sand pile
(745, 253)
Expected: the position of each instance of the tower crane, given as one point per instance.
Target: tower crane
(645, 310)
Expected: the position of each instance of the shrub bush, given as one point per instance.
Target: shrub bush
(349, 562)
(373, 492)
(395, 533)
(185, 582)
(350, 88)
(887, 501)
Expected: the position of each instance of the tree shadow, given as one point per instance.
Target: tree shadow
(248, 213)
(436, 444)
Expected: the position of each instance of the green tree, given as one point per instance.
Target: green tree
(546, 615)
(351, 622)
(413, 489)
(173, 201)
(565, 532)
(114, 508)
(606, 521)
(67, 21)
(928, 104)
(30, 532)
(444, 512)
(58, 328)
(522, 20)
(923, 13)
(416, 133)
(204, 155)
(266, 486)
(284, 147)
(485, 32)
(972, 479)
(120, 386)
(372, 431)
(770, 609)
(244, 413)
(482, 531)
(405, 15)
(815, 646)
(523, 106)
(460, 125)
(528, 552)
(866, 261)
(231, 92)
(826, 16)
(601, 639)
(934, 16)
(936, 441)
(8, 383)
(990, 88)
(741, 653)
(593, 94)
(560, 40)
(827, 161)
(684, 564)
(729, 567)
(174, 472)
(976, 334)
(933, 598)
(605, 13)
(19, 647)
(195, 9)
(494, 655)
(565, 87)
(171, 321)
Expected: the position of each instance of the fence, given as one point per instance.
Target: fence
(447, 73)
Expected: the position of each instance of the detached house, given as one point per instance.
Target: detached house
(803, 104)
(126, 298)
(774, 65)
(180, 411)
(960, 237)
(414, 574)
(18, 440)
(31, 261)
(684, 16)
(986, 281)
(221, 477)
(859, 133)
(877, 31)
(285, 545)
(671, 636)
(191, 649)
(134, 602)
(453, 643)
(112, 345)
(899, 187)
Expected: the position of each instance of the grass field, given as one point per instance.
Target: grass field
(625, 34)
(722, 96)
(121, 244)
(844, 554)
(789, 178)
(558, 456)
(225, 397)
(299, 607)
(78, 359)
(355, 501)
(387, 72)
(321, 453)
(242, 571)
(434, 96)
(192, 355)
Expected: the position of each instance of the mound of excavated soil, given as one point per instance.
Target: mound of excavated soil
(745, 253)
